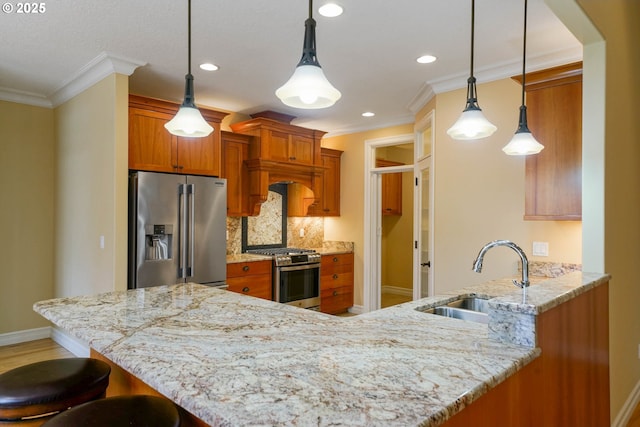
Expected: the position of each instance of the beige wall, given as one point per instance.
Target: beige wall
(27, 165)
(91, 185)
(617, 21)
(479, 195)
(349, 226)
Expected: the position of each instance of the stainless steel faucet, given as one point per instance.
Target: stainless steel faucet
(477, 264)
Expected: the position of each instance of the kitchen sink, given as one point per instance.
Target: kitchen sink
(470, 309)
(471, 303)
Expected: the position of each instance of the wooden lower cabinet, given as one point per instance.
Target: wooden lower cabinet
(251, 278)
(567, 385)
(336, 283)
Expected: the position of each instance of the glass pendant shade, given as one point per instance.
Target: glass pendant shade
(472, 124)
(308, 88)
(189, 122)
(523, 142)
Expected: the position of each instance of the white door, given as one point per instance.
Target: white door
(423, 285)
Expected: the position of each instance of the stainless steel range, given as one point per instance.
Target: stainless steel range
(296, 276)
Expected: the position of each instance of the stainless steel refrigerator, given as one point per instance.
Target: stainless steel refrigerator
(177, 229)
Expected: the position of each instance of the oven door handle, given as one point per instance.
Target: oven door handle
(299, 267)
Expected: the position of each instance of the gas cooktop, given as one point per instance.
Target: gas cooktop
(280, 251)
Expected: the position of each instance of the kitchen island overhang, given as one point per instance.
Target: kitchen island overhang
(230, 359)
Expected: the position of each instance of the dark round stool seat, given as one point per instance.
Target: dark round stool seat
(129, 411)
(51, 386)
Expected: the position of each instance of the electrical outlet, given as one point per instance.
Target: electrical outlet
(302, 232)
(540, 248)
(101, 242)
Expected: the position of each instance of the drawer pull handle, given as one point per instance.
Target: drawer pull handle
(245, 289)
(335, 259)
(245, 268)
(335, 293)
(335, 277)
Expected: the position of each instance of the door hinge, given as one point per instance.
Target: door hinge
(416, 181)
(415, 244)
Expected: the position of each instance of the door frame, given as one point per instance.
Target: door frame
(422, 161)
(373, 216)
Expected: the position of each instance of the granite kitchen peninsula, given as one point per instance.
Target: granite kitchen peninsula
(234, 360)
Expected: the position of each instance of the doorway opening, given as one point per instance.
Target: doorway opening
(389, 195)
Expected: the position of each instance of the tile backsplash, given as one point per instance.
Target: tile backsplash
(302, 232)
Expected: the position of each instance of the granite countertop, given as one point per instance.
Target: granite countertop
(231, 359)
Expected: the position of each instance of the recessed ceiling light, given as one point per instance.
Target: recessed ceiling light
(368, 114)
(426, 59)
(207, 66)
(330, 10)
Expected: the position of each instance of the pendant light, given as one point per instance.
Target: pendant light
(308, 87)
(188, 121)
(523, 142)
(472, 124)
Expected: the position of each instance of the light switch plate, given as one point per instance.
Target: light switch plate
(541, 248)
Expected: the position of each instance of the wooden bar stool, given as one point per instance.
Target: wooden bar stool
(120, 411)
(33, 393)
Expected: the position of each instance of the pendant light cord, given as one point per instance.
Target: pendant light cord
(473, 20)
(189, 35)
(524, 50)
(310, 9)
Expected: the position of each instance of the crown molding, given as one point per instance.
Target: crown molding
(424, 95)
(97, 69)
(493, 73)
(22, 97)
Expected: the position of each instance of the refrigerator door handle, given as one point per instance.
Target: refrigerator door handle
(182, 219)
(191, 194)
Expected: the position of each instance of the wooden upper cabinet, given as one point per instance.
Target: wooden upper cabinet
(282, 142)
(553, 178)
(330, 198)
(391, 189)
(302, 201)
(153, 148)
(235, 150)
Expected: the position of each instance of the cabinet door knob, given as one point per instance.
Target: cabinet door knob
(245, 268)
(335, 293)
(335, 277)
(335, 259)
(245, 289)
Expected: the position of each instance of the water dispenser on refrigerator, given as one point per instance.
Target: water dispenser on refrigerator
(158, 241)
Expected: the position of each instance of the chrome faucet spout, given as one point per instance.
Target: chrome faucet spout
(477, 264)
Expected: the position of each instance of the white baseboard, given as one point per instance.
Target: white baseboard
(623, 417)
(25, 335)
(397, 290)
(77, 347)
(356, 309)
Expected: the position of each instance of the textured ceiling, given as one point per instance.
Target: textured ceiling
(368, 53)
